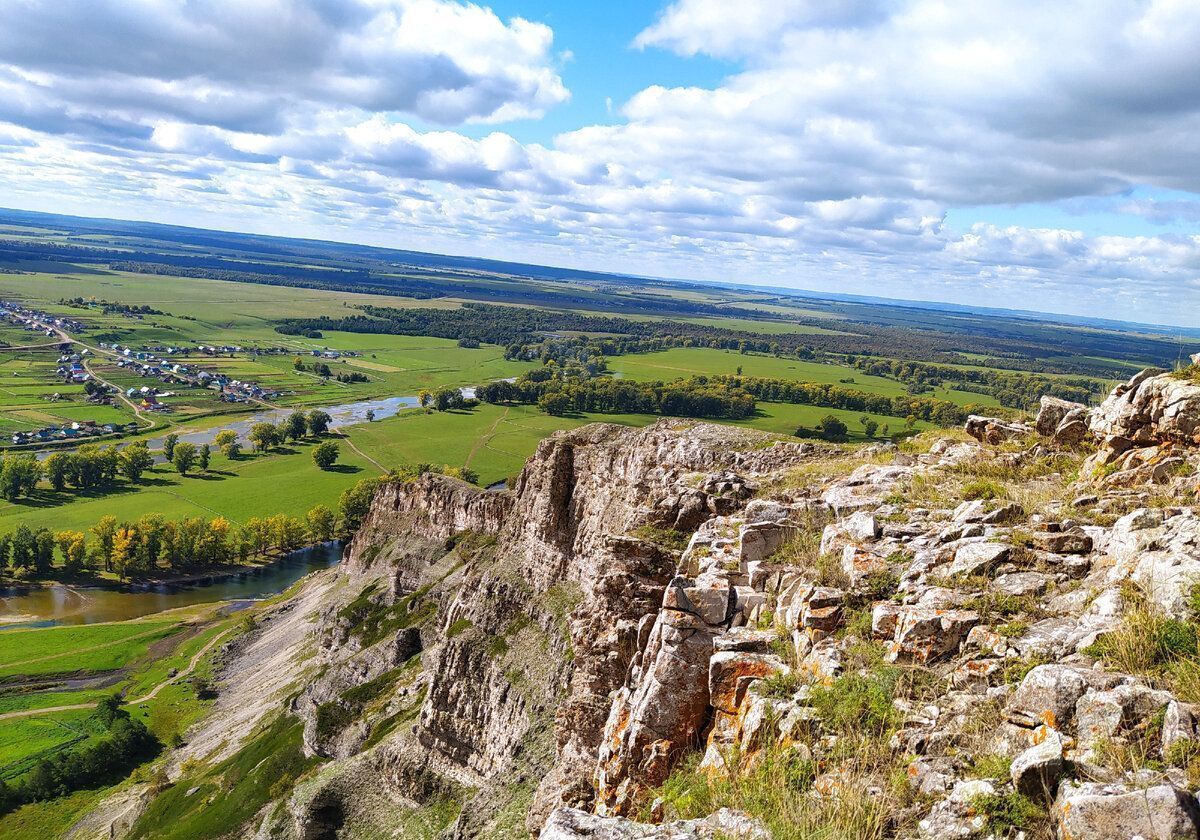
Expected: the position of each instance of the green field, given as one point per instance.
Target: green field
(78, 650)
(142, 654)
(698, 361)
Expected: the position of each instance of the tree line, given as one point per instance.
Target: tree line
(827, 395)
(126, 744)
(525, 331)
(557, 394)
(1011, 389)
(140, 547)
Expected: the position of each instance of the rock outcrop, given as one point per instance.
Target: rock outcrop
(699, 599)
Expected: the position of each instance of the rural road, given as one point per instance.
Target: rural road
(195, 660)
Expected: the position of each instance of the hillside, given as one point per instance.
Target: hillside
(696, 626)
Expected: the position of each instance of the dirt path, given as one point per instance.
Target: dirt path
(350, 443)
(485, 438)
(150, 695)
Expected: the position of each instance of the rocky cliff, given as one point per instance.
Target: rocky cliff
(693, 630)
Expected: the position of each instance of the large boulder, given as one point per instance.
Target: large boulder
(1054, 411)
(1092, 811)
(1151, 407)
(993, 430)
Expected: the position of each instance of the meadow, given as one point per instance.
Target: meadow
(701, 361)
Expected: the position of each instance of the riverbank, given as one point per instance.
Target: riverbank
(59, 603)
(105, 580)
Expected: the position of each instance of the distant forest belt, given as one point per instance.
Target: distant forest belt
(508, 326)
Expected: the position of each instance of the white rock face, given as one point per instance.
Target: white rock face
(1091, 811)
(572, 824)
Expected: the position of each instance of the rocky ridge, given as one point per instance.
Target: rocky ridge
(697, 631)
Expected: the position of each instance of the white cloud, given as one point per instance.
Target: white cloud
(828, 159)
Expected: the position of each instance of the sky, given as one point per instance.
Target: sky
(1010, 153)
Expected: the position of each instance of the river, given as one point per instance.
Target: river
(52, 605)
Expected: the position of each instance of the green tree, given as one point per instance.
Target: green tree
(24, 547)
(184, 457)
(263, 436)
(554, 403)
(57, 468)
(296, 425)
(321, 522)
(318, 422)
(448, 398)
(43, 550)
(169, 446)
(326, 454)
(19, 476)
(832, 429)
(355, 502)
(224, 439)
(134, 460)
(203, 457)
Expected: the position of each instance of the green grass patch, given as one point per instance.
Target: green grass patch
(224, 799)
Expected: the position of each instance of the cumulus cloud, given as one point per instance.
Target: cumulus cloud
(261, 66)
(828, 158)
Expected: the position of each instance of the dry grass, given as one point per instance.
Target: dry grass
(776, 787)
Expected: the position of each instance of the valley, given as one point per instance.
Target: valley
(536, 481)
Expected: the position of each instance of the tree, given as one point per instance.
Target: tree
(355, 502)
(424, 398)
(184, 457)
(869, 426)
(263, 436)
(203, 457)
(169, 446)
(318, 422)
(73, 547)
(448, 398)
(321, 521)
(831, 428)
(104, 531)
(123, 547)
(43, 550)
(296, 425)
(134, 460)
(19, 476)
(24, 547)
(227, 442)
(57, 468)
(326, 454)
(555, 403)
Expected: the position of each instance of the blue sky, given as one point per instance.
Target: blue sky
(990, 153)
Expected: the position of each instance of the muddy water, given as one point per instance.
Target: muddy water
(53, 605)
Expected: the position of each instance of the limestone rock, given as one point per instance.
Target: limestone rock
(572, 824)
(977, 558)
(993, 430)
(1035, 772)
(1052, 412)
(1092, 811)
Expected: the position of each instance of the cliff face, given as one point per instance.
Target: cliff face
(917, 643)
(541, 594)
